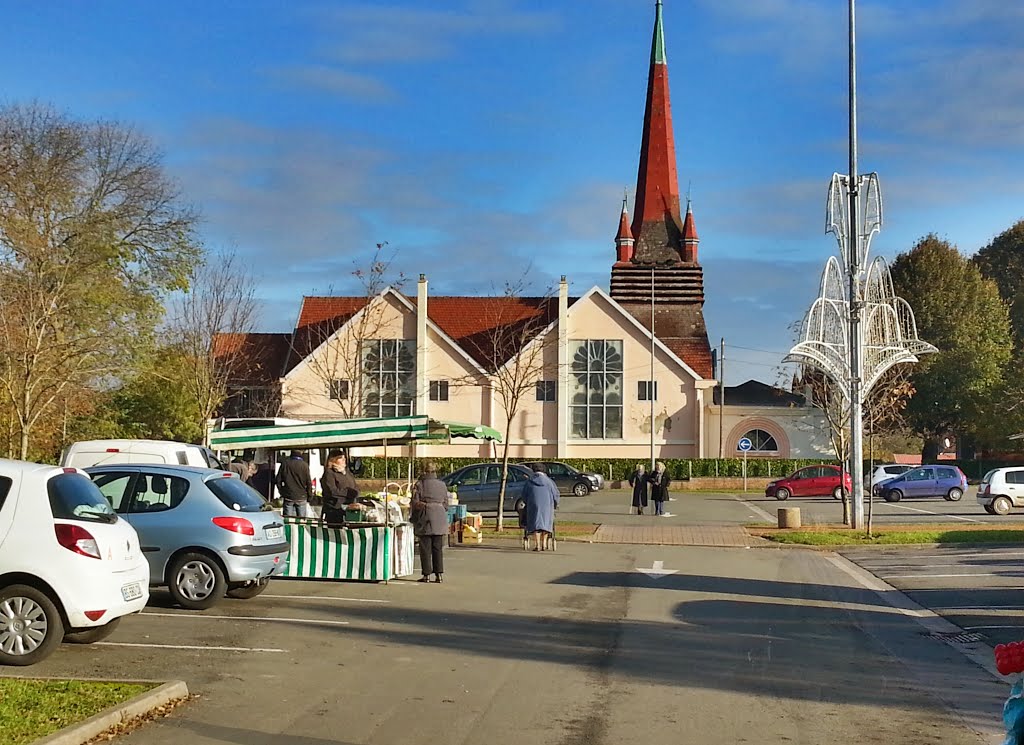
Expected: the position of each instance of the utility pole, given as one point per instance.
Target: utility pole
(854, 270)
(651, 388)
(721, 400)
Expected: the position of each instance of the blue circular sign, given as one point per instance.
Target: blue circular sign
(744, 444)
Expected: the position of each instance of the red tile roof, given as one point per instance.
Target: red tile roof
(260, 356)
(694, 352)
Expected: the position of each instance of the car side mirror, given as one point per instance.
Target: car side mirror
(356, 466)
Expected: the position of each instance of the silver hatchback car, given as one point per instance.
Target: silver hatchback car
(205, 532)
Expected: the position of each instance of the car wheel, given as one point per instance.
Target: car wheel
(196, 581)
(837, 493)
(955, 494)
(247, 591)
(520, 505)
(581, 489)
(30, 626)
(782, 494)
(989, 510)
(1002, 506)
(93, 635)
(893, 495)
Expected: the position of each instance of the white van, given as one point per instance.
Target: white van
(104, 452)
(315, 457)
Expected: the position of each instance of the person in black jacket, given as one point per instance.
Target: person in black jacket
(660, 481)
(638, 480)
(295, 484)
(339, 490)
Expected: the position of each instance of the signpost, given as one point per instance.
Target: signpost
(744, 446)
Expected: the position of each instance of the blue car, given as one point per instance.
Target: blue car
(478, 485)
(947, 482)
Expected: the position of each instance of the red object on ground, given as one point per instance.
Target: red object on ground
(1010, 658)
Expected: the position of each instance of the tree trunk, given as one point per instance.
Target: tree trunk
(930, 450)
(871, 509)
(842, 490)
(24, 443)
(504, 480)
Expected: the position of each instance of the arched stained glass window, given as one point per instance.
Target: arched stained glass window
(761, 442)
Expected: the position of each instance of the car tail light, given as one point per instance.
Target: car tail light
(78, 539)
(235, 525)
(94, 615)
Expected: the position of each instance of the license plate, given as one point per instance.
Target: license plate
(131, 591)
(273, 533)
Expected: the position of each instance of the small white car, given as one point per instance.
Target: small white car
(70, 568)
(1001, 490)
(885, 472)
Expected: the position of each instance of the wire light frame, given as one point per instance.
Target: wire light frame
(888, 329)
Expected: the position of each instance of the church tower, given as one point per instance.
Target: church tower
(661, 246)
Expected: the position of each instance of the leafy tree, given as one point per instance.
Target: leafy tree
(92, 236)
(1002, 261)
(961, 313)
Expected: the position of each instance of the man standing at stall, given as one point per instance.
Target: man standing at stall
(296, 486)
(339, 489)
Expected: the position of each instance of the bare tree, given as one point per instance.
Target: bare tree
(209, 324)
(91, 236)
(333, 348)
(882, 412)
(512, 345)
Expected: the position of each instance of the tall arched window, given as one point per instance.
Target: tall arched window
(761, 442)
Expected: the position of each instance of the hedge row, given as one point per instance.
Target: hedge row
(612, 469)
(679, 468)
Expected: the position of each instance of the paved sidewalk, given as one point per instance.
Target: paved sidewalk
(674, 535)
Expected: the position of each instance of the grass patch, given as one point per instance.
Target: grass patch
(30, 709)
(888, 536)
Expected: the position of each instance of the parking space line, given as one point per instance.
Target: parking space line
(756, 510)
(273, 619)
(979, 607)
(318, 597)
(192, 647)
(937, 514)
(941, 576)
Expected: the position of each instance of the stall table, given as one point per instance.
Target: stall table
(371, 552)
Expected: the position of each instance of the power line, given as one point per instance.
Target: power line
(754, 349)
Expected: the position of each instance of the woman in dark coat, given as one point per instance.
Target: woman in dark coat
(659, 489)
(638, 480)
(429, 513)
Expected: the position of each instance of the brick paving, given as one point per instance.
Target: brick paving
(674, 535)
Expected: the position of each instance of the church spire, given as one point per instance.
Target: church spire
(657, 226)
(624, 238)
(690, 239)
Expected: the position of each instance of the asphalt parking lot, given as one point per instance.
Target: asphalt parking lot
(980, 589)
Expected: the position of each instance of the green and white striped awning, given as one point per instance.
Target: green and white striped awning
(315, 434)
(352, 432)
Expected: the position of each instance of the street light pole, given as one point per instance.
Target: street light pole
(854, 270)
(650, 390)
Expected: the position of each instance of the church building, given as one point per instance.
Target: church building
(604, 375)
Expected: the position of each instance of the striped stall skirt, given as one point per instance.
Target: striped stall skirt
(373, 554)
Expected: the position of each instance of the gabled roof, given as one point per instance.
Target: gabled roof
(756, 393)
(319, 319)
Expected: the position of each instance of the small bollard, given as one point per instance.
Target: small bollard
(789, 517)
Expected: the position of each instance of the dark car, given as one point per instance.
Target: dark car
(568, 479)
(947, 482)
(478, 485)
(812, 481)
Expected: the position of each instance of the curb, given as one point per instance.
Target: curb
(80, 733)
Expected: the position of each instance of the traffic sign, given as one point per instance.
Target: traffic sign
(744, 444)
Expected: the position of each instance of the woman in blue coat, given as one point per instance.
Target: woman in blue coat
(541, 497)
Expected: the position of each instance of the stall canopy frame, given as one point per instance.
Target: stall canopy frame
(351, 432)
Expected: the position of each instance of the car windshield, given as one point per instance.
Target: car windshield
(237, 495)
(75, 497)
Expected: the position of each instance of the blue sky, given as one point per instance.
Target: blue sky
(479, 137)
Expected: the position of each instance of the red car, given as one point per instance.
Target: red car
(812, 481)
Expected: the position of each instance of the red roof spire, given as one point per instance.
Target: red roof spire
(656, 219)
(690, 239)
(624, 238)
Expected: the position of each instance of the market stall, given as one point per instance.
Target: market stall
(377, 547)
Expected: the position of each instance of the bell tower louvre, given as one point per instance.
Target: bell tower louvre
(658, 253)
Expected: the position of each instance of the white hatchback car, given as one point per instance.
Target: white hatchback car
(70, 568)
(1001, 490)
(885, 472)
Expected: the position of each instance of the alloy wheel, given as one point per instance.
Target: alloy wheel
(195, 580)
(23, 626)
